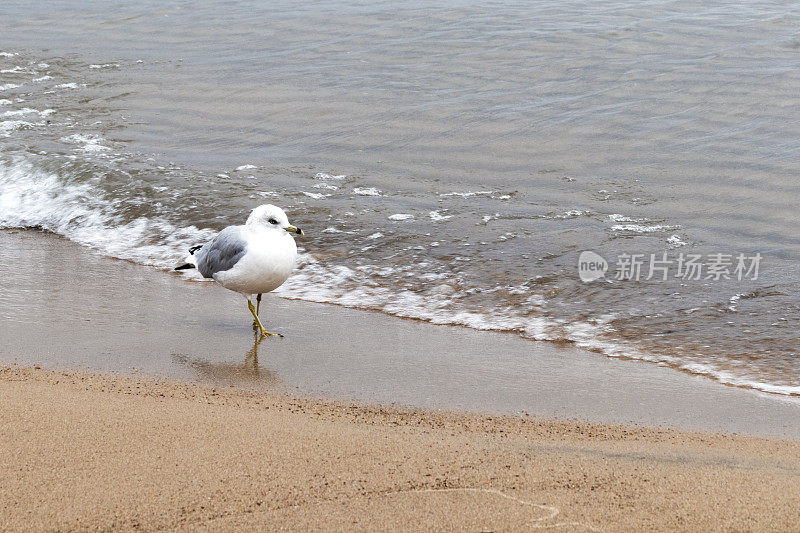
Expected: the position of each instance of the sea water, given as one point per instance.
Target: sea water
(449, 161)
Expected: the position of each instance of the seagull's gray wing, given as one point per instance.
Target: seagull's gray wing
(222, 252)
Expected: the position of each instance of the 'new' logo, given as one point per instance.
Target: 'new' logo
(591, 266)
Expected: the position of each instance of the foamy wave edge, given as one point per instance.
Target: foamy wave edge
(34, 198)
(320, 283)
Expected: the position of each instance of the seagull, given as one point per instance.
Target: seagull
(251, 259)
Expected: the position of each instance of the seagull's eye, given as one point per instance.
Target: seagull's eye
(273, 221)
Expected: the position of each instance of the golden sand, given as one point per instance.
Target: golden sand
(84, 451)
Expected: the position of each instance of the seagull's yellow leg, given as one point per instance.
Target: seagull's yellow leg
(258, 310)
(255, 316)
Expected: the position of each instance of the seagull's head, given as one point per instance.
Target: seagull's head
(272, 217)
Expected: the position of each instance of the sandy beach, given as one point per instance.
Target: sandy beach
(547, 276)
(85, 451)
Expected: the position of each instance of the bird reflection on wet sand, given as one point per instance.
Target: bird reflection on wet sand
(231, 373)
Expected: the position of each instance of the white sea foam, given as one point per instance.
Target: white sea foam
(733, 301)
(616, 217)
(324, 176)
(640, 228)
(18, 112)
(8, 126)
(315, 195)
(27, 111)
(33, 198)
(71, 85)
(17, 70)
(572, 213)
(8, 86)
(7, 54)
(315, 281)
(400, 216)
(675, 241)
(366, 191)
(89, 142)
(637, 225)
(104, 65)
(42, 78)
(245, 167)
(467, 194)
(4, 101)
(436, 216)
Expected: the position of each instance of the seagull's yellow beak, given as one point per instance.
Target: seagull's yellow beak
(294, 229)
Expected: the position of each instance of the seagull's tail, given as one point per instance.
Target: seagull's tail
(190, 260)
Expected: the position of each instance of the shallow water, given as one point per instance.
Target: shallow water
(64, 308)
(511, 138)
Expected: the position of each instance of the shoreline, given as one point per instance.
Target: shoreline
(67, 307)
(398, 424)
(116, 452)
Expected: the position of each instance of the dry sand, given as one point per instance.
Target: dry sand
(84, 451)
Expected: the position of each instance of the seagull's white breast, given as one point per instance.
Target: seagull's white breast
(267, 263)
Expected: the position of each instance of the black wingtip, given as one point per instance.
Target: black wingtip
(193, 249)
(184, 267)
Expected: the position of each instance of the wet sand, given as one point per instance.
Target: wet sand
(84, 451)
(64, 307)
